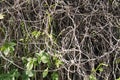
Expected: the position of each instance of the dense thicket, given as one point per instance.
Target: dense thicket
(60, 40)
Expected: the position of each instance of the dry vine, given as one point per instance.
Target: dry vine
(85, 33)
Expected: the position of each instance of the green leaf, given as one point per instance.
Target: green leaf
(7, 47)
(100, 69)
(29, 59)
(15, 73)
(12, 44)
(12, 75)
(24, 60)
(58, 63)
(55, 76)
(12, 49)
(38, 55)
(45, 72)
(34, 59)
(29, 65)
(92, 77)
(44, 59)
(25, 76)
(36, 34)
(6, 51)
(1, 16)
(29, 73)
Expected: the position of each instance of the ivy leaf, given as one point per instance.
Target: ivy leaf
(1, 16)
(45, 72)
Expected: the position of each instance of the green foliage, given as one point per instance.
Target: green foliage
(31, 63)
(43, 57)
(12, 75)
(99, 68)
(24, 60)
(45, 72)
(92, 77)
(25, 76)
(57, 61)
(29, 73)
(55, 76)
(7, 47)
(36, 34)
